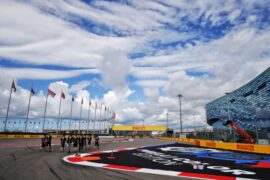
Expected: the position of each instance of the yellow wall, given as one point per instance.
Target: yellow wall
(139, 128)
(236, 146)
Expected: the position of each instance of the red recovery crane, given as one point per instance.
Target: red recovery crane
(240, 131)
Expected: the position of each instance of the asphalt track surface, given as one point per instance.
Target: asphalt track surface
(21, 159)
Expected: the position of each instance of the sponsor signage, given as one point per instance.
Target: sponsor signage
(169, 160)
(139, 128)
(245, 147)
(210, 144)
(255, 148)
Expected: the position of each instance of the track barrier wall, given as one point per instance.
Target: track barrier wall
(252, 148)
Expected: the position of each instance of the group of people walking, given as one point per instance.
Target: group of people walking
(75, 143)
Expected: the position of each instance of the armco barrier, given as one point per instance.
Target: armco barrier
(253, 148)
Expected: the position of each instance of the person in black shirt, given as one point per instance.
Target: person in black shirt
(97, 142)
(75, 143)
(85, 141)
(69, 142)
(62, 143)
(49, 142)
(89, 139)
(81, 143)
(43, 139)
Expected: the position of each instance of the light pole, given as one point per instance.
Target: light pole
(180, 96)
(167, 120)
(167, 124)
(229, 115)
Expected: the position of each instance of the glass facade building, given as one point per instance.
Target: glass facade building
(247, 106)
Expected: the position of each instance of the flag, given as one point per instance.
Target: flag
(13, 86)
(72, 98)
(32, 91)
(105, 108)
(89, 102)
(50, 92)
(63, 95)
(82, 101)
(96, 104)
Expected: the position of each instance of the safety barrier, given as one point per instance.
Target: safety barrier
(253, 148)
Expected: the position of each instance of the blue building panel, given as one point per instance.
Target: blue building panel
(248, 106)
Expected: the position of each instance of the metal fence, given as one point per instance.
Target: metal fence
(35, 125)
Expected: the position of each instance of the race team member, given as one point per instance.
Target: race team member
(69, 142)
(97, 142)
(62, 143)
(75, 142)
(89, 139)
(43, 143)
(49, 142)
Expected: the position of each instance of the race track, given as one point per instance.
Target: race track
(143, 159)
(21, 159)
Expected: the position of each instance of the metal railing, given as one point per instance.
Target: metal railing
(35, 125)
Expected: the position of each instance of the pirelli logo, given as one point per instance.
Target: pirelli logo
(138, 128)
(210, 144)
(243, 147)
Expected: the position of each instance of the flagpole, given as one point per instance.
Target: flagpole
(25, 129)
(45, 112)
(8, 109)
(58, 127)
(88, 116)
(70, 114)
(107, 119)
(99, 124)
(95, 118)
(80, 118)
(104, 120)
(110, 114)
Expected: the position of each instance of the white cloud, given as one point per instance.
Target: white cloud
(61, 44)
(114, 67)
(79, 86)
(37, 73)
(151, 83)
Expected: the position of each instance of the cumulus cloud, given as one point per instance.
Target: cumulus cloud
(79, 86)
(114, 68)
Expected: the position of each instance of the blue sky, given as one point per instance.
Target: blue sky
(134, 56)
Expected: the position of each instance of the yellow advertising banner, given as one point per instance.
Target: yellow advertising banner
(139, 128)
(253, 148)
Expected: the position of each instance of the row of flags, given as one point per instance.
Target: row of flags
(53, 94)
